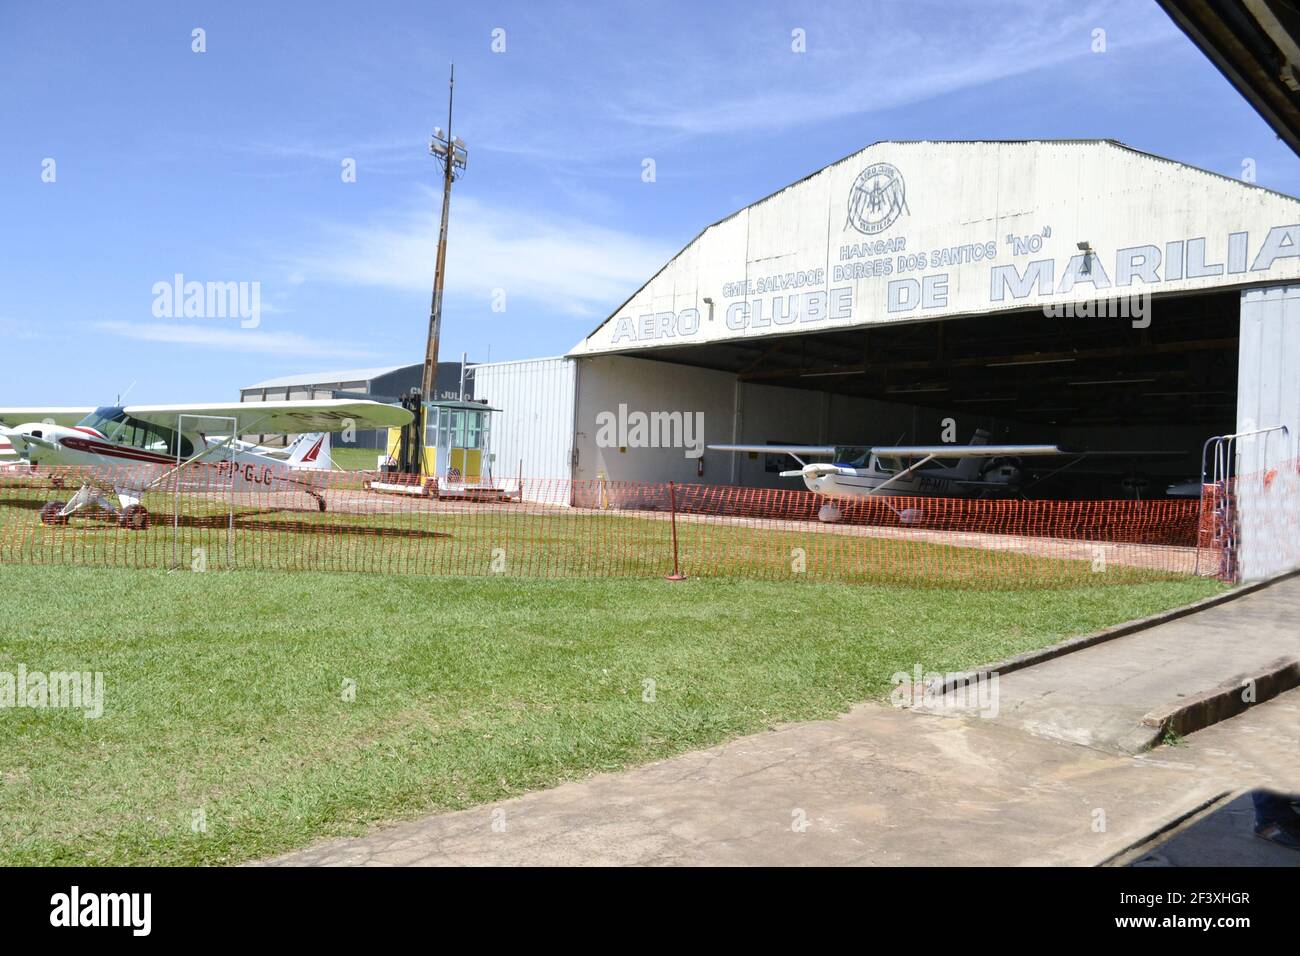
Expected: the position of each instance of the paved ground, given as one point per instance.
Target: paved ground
(884, 785)
(1098, 696)
(878, 786)
(1222, 836)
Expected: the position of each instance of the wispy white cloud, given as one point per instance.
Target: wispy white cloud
(615, 102)
(572, 266)
(861, 59)
(16, 331)
(864, 59)
(370, 155)
(235, 340)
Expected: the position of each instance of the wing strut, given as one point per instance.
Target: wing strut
(906, 471)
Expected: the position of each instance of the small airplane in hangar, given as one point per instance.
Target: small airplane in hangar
(139, 447)
(982, 469)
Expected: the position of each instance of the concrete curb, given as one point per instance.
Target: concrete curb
(1227, 700)
(1139, 848)
(1070, 645)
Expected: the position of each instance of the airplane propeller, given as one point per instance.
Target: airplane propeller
(815, 470)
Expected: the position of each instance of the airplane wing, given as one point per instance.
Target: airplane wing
(905, 451)
(947, 451)
(808, 450)
(316, 415)
(64, 415)
(967, 451)
(1127, 454)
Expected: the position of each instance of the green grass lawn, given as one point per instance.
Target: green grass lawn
(354, 459)
(224, 691)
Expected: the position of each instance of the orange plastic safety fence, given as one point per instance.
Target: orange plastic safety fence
(206, 517)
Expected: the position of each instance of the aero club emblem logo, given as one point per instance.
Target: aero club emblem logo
(877, 198)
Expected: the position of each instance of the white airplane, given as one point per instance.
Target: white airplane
(982, 470)
(138, 447)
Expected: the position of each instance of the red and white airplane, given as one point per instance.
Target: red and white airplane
(136, 448)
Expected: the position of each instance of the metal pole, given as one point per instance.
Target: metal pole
(429, 381)
(672, 505)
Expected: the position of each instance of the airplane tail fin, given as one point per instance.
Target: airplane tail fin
(311, 451)
(968, 469)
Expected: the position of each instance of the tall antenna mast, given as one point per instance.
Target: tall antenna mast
(451, 153)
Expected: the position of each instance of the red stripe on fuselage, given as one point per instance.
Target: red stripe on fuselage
(116, 451)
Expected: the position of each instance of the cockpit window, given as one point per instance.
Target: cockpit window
(106, 420)
(853, 456)
(119, 427)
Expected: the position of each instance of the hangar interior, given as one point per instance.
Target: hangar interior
(1098, 383)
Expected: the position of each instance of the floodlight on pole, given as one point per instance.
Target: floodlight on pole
(451, 153)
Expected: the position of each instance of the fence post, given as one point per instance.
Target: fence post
(672, 517)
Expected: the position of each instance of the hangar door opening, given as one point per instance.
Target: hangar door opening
(1162, 383)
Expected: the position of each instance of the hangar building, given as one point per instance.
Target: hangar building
(1077, 292)
(387, 384)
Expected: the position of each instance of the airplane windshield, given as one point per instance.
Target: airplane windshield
(854, 456)
(117, 426)
(106, 420)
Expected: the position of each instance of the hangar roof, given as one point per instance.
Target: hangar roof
(329, 378)
(908, 231)
(1256, 45)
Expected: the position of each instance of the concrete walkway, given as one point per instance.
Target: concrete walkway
(1099, 696)
(879, 786)
(886, 786)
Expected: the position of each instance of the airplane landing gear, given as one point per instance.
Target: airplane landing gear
(829, 514)
(320, 500)
(52, 513)
(134, 518)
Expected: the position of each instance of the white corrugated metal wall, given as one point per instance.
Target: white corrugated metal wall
(533, 432)
(1268, 394)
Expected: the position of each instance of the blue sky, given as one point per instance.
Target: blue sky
(225, 166)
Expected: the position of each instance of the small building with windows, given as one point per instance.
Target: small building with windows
(457, 437)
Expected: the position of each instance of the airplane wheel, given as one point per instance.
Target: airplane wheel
(134, 518)
(50, 513)
(320, 504)
(56, 481)
(829, 514)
